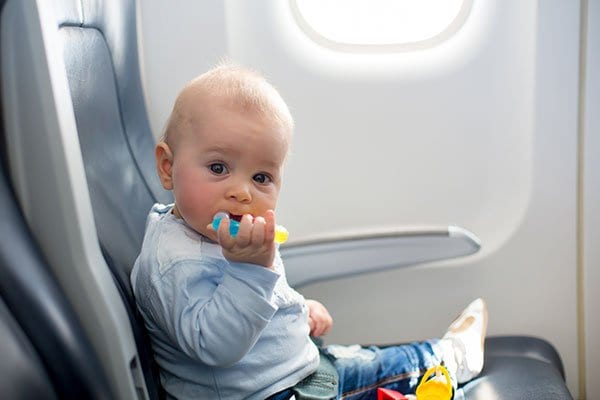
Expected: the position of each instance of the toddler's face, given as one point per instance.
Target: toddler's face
(232, 162)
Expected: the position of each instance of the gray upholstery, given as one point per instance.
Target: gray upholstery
(22, 374)
(100, 54)
(517, 368)
(114, 134)
(45, 317)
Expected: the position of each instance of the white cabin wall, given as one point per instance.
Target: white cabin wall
(178, 41)
(591, 198)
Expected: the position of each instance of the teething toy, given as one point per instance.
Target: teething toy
(434, 389)
(281, 234)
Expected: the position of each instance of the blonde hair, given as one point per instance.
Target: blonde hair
(238, 86)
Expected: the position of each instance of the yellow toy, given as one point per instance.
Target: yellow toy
(435, 389)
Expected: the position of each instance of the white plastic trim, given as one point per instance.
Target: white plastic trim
(346, 255)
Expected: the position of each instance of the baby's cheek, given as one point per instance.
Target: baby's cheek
(194, 209)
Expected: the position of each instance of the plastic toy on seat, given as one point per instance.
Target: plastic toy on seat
(435, 389)
(389, 394)
(281, 234)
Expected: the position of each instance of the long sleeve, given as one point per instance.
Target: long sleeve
(216, 311)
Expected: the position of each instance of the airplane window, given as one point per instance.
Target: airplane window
(356, 24)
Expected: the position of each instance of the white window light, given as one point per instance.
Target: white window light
(357, 25)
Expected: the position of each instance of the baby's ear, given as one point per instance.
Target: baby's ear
(164, 164)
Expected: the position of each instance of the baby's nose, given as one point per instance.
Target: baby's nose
(240, 192)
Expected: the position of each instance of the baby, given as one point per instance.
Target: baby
(223, 320)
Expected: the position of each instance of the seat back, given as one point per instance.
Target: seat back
(46, 353)
(20, 364)
(101, 60)
(81, 161)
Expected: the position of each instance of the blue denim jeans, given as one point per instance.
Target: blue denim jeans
(364, 369)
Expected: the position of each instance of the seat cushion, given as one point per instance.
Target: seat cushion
(518, 367)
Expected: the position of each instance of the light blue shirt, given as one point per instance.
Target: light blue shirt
(219, 329)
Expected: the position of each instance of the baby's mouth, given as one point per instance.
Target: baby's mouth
(227, 214)
(235, 217)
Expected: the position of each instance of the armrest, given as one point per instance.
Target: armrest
(329, 257)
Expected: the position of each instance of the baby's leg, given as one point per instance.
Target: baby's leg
(463, 342)
(363, 370)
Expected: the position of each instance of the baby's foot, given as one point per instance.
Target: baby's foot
(463, 342)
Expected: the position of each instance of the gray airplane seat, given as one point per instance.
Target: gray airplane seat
(87, 49)
(519, 367)
(45, 352)
(101, 60)
(21, 363)
(81, 160)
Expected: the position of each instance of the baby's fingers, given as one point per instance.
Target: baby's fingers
(311, 326)
(269, 226)
(258, 232)
(244, 235)
(225, 239)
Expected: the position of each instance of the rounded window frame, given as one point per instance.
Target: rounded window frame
(454, 26)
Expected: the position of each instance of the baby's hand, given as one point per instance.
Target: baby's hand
(319, 319)
(254, 241)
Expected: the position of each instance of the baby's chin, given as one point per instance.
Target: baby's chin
(204, 231)
(209, 233)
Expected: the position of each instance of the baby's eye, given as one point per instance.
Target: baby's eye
(261, 178)
(218, 168)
